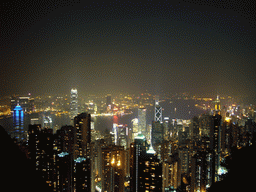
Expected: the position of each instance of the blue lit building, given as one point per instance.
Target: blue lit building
(18, 119)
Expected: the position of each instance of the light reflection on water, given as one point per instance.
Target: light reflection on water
(185, 109)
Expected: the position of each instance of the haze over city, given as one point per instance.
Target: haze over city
(202, 47)
(128, 96)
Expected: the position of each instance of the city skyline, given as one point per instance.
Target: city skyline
(182, 46)
(124, 96)
(151, 154)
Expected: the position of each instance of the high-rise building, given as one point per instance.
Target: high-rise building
(82, 177)
(167, 126)
(65, 172)
(18, 118)
(204, 125)
(157, 133)
(67, 139)
(33, 143)
(215, 142)
(73, 103)
(158, 111)
(195, 134)
(202, 171)
(41, 153)
(97, 163)
(26, 103)
(149, 172)
(144, 166)
(113, 168)
(217, 107)
(122, 135)
(184, 159)
(174, 176)
(142, 124)
(82, 124)
(135, 128)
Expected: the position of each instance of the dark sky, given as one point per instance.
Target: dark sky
(192, 46)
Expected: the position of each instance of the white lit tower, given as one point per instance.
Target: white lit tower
(142, 121)
(135, 128)
(73, 103)
(158, 110)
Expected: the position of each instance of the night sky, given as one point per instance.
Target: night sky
(204, 47)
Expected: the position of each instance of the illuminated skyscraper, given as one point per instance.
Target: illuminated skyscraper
(67, 137)
(18, 117)
(217, 105)
(26, 103)
(167, 126)
(149, 172)
(82, 177)
(138, 149)
(73, 103)
(82, 124)
(157, 134)
(202, 175)
(65, 175)
(113, 158)
(135, 128)
(122, 135)
(41, 153)
(215, 142)
(82, 141)
(158, 110)
(142, 120)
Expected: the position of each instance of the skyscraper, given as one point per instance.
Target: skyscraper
(82, 140)
(135, 128)
(67, 137)
(167, 126)
(137, 150)
(73, 103)
(82, 124)
(217, 108)
(65, 167)
(158, 110)
(202, 171)
(215, 142)
(26, 103)
(142, 120)
(113, 168)
(82, 177)
(41, 153)
(122, 135)
(18, 117)
(157, 133)
(149, 172)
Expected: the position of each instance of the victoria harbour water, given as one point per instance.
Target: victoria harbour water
(180, 109)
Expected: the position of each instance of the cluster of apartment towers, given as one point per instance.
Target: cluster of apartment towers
(70, 161)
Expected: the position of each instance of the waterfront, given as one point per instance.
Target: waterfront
(180, 109)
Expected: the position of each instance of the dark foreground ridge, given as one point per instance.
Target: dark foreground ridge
(16, 170)
(18, 173)
(242, 171)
